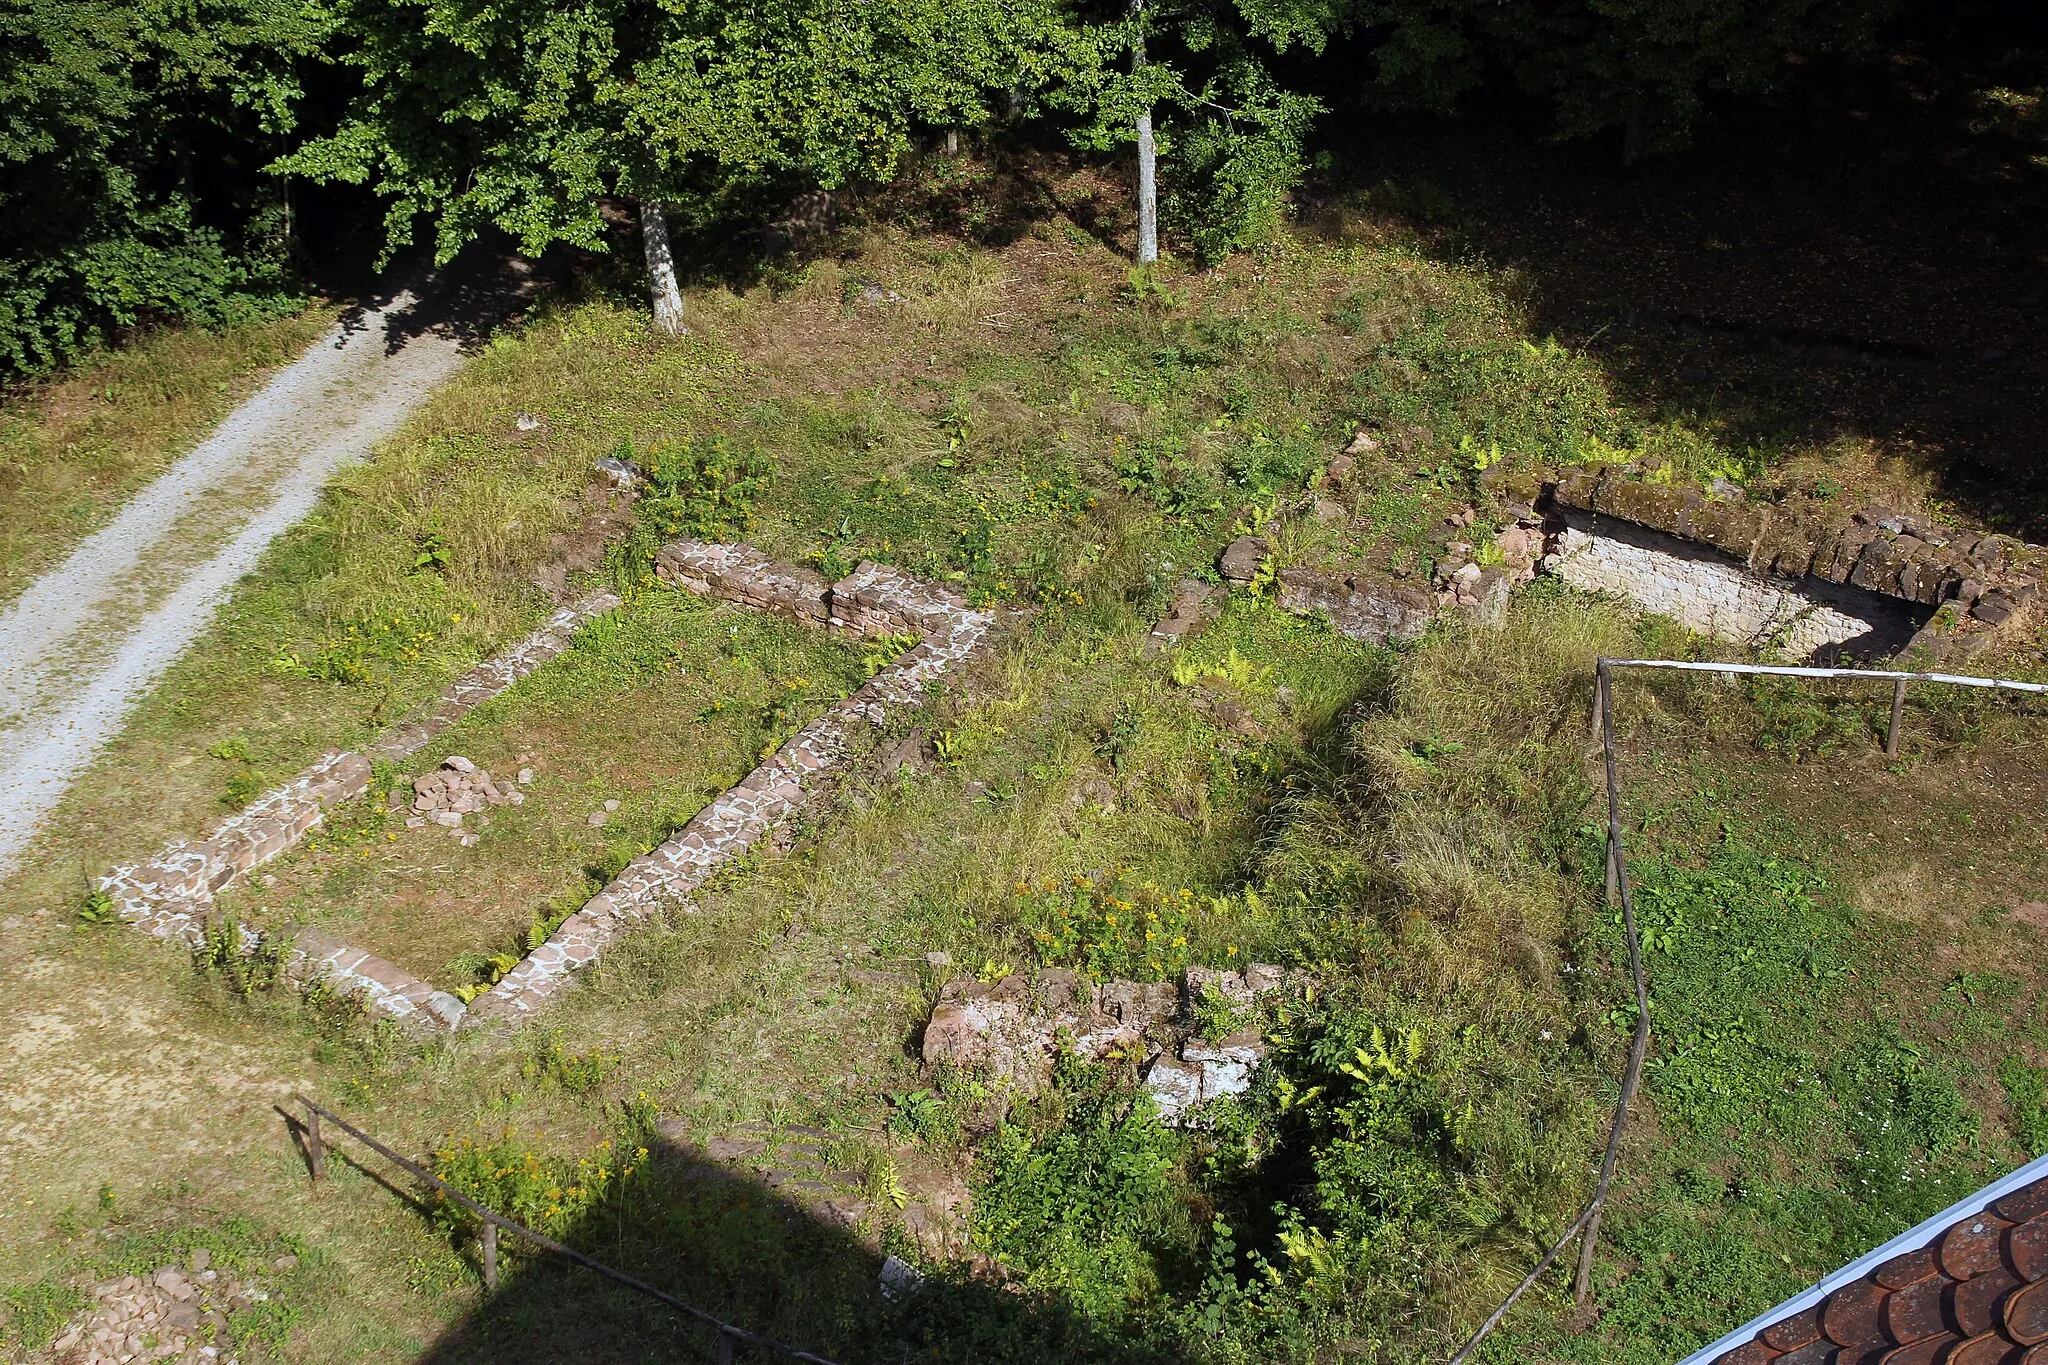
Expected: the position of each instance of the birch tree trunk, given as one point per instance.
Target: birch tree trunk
(662, 288)
(1148, 158)
(1148, 192)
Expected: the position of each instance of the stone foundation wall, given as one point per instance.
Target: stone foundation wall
(873, 600)
(1859, 561)
(172, 895)
(1714, 596)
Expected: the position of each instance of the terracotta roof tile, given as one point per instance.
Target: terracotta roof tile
(1918, 1310)
(1927, 1352)
(1976, 1294)
(1910, 1268)
(2022, 1205)
(1793, 1331)
(2026, 1248)
(2026, 1314)
(1971, 1247)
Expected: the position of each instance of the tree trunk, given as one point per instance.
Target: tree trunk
(1633, 138)
(662, 288)
(1148, 170)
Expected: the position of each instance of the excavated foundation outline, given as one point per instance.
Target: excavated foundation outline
(172, 895)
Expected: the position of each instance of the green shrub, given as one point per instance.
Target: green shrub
(701, 487)
(1086, 1209)
(547, 1193)
(1106, 927)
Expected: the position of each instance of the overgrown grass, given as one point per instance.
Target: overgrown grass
(1406, 826)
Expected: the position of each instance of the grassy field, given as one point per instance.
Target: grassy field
(1849, 1025)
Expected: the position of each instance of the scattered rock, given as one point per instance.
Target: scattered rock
(622, 474)
(938, 961)
(1364, 443)
(1330, 512)
(526, 421)
(911, 753)
(1242, 557)
(525, 776)
(1359, 605)
(165, 1316)
(611, 805)
(1339, 470)
(900, 1279)
(455, 789)
(595, 819)
(1193, 607)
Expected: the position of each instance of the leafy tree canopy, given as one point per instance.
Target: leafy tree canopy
(1641, 64)
(525, 114)
(130, 138)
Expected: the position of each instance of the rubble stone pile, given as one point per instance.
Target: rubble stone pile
(175, 1313)
(1015, 1027)
(459, 788)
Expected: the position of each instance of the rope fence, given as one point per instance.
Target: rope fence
(1587, 1226)
(729, 1336)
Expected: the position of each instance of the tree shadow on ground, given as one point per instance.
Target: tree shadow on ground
(732, 1246)
(488, 286)
(1857, 257)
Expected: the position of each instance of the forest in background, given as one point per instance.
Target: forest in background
(211, 160)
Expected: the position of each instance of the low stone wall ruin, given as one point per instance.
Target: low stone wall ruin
(1801, 573)
(1707, 592)
(1798, 578)
(1015, 1028)
(172, 895)
(874, 600)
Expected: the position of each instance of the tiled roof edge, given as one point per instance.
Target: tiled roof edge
(1912, 1239)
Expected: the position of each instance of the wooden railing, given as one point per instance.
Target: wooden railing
(1587, 1225)
(729, 1336)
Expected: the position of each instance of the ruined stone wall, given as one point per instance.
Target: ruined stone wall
(172, 895)
(874, 600)
(1869, 563)
(1716, 596)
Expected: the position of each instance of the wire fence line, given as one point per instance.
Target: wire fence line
(1587, 1225)
(729, 1336)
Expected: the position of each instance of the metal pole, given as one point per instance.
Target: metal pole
(1800, 671)
(316, 1151)
(490, 1255)
(1891, 735)
(1617, 871)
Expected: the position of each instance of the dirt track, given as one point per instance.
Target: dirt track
(87, 638)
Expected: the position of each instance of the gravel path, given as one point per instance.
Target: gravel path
(86, 639)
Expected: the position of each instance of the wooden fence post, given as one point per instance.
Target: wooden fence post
(724, 1356)
(1891, 735)
(316, 1150)
(490, 1255)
